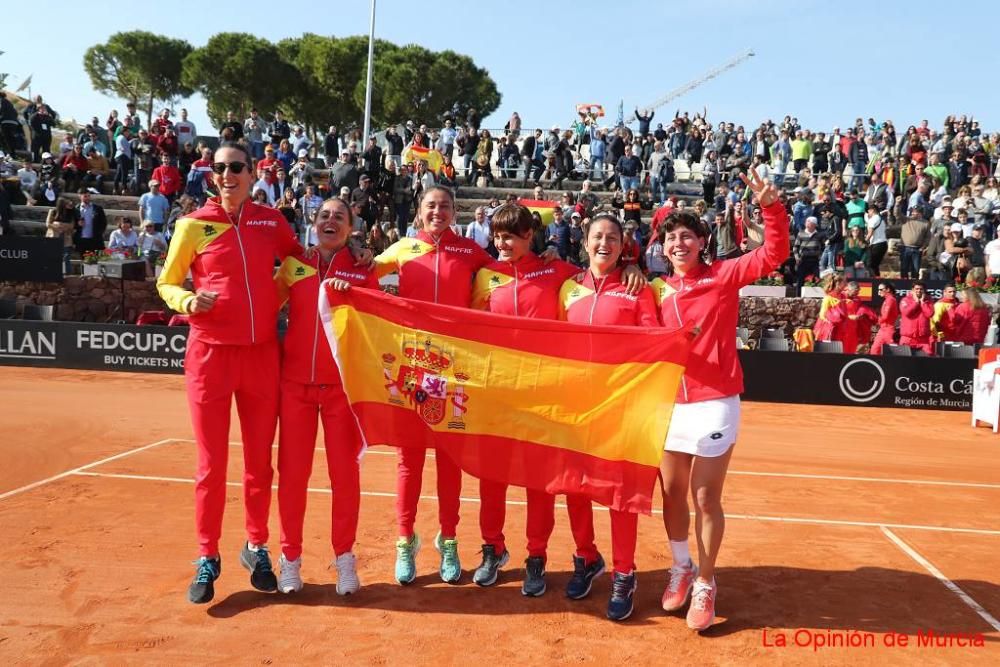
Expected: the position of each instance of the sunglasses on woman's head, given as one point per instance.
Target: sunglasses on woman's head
(234, 167)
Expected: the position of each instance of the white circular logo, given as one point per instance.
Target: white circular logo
(867, 374)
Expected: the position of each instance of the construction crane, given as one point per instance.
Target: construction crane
(691, 85)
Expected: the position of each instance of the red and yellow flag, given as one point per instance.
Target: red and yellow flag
(433, 158)
(541, 206)
(547, 405)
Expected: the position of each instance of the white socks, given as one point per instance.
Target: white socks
(681, 553)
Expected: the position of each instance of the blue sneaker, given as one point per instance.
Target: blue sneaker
(406, 559)
(534, 577)
(256, 559)
(583, 577)
(202, 588)
(451, 567)
(622, 590)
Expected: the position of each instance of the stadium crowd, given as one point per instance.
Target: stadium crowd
(846, 192)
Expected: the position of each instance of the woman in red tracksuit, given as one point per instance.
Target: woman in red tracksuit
(523, 285)
(887, 317)
(310, 390)
(437, 266)
(229, 246)
(601, 297)
(706, 416)
(971, 318)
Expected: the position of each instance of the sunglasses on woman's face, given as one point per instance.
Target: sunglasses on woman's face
(234, 167)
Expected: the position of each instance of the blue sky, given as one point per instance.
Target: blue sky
(824, 62)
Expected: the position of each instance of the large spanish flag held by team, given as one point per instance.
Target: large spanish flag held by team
(548, 405)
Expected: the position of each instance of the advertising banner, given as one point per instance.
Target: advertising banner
(31, 258)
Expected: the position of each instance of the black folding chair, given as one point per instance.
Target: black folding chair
(39, 313)
(829, 346)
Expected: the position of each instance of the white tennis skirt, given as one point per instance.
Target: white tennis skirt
(705, 428)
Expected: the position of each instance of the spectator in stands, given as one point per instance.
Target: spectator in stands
(47, 190)
(279, 129)
(93, 141)
(151, 245)
(28, 181)
(167, 143)
(559, 233)
(123, 160)
(66, 146)
(483, 155)
(185, 129)
(888, 314)
(394, 145)
(970, 319)
(10, 127)
(941, 320)
(802, 150)
(956, 258)
(143, 151)
(915, 235)
(628, 169)
(234, 127)
(169, 177)
(423, 180)
(153, 206)
(41, 123)
(807, 249)
(61, 223)
(254, 129)
(344, 174)
(878, 243)
(479, 229)
(991, 252)
(97, 167)
(123, 239)
(855, 255)
(915, 310)
(301, 172)
(402, 199)
(74, 166)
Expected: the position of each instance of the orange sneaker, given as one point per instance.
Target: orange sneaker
(679, 587)
(701, 613)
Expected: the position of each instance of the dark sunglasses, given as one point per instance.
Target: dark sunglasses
(235, 167)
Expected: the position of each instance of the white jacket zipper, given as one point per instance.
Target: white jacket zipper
(317, 325)
(680, 323)
(246, 275)
(597, 295)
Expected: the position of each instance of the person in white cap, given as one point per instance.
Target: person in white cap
(301, 172)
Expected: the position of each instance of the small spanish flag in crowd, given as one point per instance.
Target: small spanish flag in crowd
(541, 206)
(433, 158)
(547, 405)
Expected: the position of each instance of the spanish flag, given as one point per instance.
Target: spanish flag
(541, 206)
(585, 415)
(433, 158)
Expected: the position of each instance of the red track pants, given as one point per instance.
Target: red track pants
(493, 512)
(409, 478)
(882, 338)
(302, 405)
(624, 527)
(214, 375)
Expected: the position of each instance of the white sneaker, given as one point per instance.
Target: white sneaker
(290, 579)
(347, 574)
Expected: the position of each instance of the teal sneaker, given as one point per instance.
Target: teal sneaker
(451, 568)
(406, 559)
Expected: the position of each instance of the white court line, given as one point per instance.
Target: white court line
(948, 583)
(74, 471)
(790, 475)
(744, 517)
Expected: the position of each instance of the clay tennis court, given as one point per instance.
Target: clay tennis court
(844, 522)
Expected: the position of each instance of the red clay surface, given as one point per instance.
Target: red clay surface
(97, 561)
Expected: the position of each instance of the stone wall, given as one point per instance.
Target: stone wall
(758, 313)
(89, 299)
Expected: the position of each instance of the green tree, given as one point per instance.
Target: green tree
(238, 71)
(413, 82)
(141, 67)
(329, 69)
